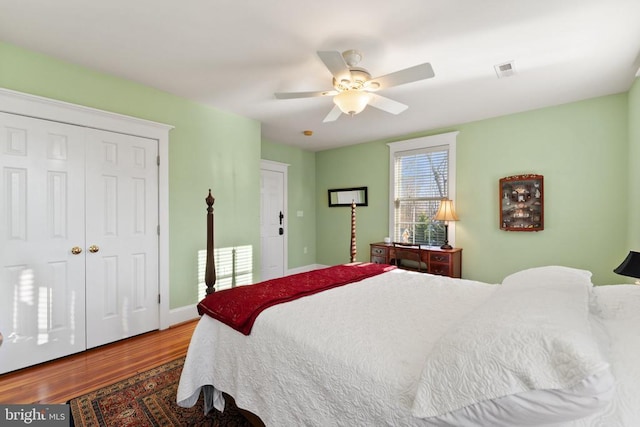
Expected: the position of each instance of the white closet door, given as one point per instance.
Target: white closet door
(121, 226)
(42, 287)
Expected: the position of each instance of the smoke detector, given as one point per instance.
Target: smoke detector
(506, 69)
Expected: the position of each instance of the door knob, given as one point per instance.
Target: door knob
(76, 250)
(93, 249)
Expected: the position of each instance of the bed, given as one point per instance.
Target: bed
(402, 348)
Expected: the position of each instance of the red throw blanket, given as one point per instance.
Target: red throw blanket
(239, 307)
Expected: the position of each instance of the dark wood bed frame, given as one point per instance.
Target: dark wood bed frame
(210, 280)
(210, 266)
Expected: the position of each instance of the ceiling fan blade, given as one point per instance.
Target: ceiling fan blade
(292, 95)
(408, 75)
(336, 64)
(386, 104)
(333, 114)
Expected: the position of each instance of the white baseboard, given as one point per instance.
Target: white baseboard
(304, 269)
(183, 314)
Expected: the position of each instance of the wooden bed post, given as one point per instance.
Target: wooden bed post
(210, 268)
(353, 231)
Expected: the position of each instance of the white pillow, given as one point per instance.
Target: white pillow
(553, 273)
(527, 353)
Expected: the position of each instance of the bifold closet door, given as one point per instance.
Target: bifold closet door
(121, 237)
(78, 239)
(42, 235)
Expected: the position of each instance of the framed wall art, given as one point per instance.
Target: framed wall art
(522, 203)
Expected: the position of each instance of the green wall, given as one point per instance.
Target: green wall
(301, 197)
(581, 149)
(633, 197)
(208, 149)
(362, 165)
(585, 150)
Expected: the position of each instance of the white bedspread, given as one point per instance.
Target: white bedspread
(345, 357)
(617, 308)
(342, 357)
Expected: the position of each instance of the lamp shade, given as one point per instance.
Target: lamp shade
(446, 211)
(351, 101)
(630, 266)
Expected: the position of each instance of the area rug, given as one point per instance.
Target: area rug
(147, 399)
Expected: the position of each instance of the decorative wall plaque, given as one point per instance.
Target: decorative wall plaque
(522, 203)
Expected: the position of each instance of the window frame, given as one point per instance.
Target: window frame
(447, 140)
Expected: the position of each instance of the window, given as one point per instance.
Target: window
(234, 267)
(422, 172)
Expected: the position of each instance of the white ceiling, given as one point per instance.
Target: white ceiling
(234, 54)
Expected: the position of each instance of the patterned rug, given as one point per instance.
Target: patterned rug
(147, 399)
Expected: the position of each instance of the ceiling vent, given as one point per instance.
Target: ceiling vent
(506, 69)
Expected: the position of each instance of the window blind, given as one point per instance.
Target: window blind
(421, 181)
(234, 267)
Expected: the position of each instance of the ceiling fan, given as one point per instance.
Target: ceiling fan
(353, 86)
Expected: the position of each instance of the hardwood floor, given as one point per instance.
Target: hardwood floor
(63, 379)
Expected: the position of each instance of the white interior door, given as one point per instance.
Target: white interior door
(42, 286)
(272, 223)
(122, 237)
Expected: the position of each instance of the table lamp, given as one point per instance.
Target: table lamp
(630, 266)
(446, 213)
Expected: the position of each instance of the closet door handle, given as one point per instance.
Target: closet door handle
(93, 249)
(76, 250)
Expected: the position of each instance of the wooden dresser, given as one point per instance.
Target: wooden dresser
(445, 262)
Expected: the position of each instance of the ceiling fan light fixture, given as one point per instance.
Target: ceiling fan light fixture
(371, 85)
(352, 102)
(353, 86)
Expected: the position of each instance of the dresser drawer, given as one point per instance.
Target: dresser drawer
(438, 261)
(446, 263)
(440, 269)
(435, 257)
(377, 251)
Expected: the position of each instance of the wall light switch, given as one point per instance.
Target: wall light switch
(300, 214)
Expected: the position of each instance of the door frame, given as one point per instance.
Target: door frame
(14, 102)
(283, 168)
